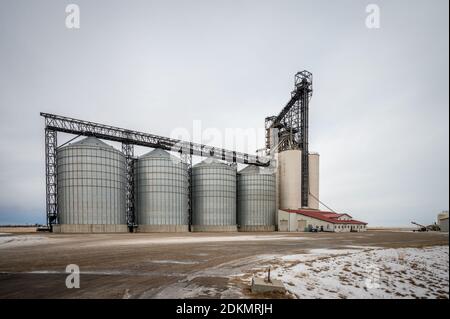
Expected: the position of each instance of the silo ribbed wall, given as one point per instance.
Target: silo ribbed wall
(91, 187)
(214, 196)
(256, 200)
(161, 194)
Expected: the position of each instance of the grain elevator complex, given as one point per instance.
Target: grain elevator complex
(92, 187)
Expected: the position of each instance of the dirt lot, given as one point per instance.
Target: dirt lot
(193, 265)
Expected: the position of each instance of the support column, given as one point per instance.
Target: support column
(51, 178)
(128, 151)
(187, 158)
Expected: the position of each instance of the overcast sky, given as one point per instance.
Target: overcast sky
(379, 113)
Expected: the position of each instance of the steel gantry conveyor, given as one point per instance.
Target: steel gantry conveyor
(292, 127)
(128, 138)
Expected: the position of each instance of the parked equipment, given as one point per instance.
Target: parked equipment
(421, 228)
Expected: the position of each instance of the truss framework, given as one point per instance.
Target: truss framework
(51, 178)
(128, 151)
(128, 138)
(292, 127)
(187, 159)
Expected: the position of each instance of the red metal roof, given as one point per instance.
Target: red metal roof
(329, 217)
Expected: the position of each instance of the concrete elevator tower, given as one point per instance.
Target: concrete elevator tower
(287, 136)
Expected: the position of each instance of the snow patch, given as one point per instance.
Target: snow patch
(377, 273)
(193, 240)
(183, 291)
(187, 262)
(20, 241)
(312, 254)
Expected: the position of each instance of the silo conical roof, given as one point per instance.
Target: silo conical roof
(252, 169)
(91, 141)
(159, 153)
(210, 162)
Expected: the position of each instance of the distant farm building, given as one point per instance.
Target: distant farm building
(314, 220)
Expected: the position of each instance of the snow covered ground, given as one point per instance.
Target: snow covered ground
(366, 272)
(194, 240)
(11, 241)
(22, 240)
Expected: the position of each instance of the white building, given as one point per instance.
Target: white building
(443, 224)
(289, 191)
(301, 220)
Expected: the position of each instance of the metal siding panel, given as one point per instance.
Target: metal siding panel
(162, 183)
(214, 194)
(256, 199)
(91, 185)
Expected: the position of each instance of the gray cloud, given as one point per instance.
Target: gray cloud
(379, 114)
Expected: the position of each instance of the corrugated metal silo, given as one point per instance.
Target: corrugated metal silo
(91, 187)
(214, 196)
(162, 193)
(256, 199)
